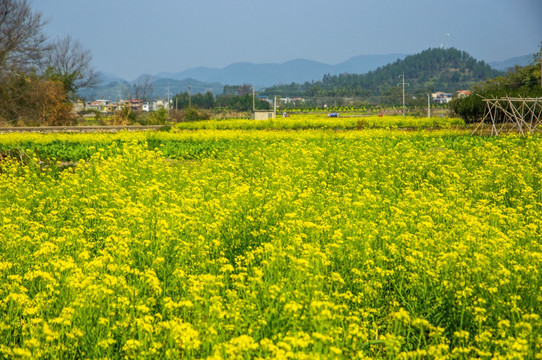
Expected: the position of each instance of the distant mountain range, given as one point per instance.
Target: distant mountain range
(299, 70)
(510, 63)
(113, 88)
(202, 79)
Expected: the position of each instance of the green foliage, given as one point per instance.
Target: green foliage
(518, 82)
(203, 101)
(240, 102)
(194, 114)
(98, 117)
(158, 117)
(207, 101)
(67, 80)
(470, 108)
(124, 116)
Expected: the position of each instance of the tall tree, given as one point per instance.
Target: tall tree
(36, 77)
(70, 63)
(22, 42)
(143, 88)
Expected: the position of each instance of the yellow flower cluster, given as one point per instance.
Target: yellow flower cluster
(290, 245)
(319, 121)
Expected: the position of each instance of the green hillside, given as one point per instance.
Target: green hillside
(431, 70)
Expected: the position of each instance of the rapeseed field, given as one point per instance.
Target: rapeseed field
(254, 244)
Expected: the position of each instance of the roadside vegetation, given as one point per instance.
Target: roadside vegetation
(520, 82)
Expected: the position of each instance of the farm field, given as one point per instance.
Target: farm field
(322, 121)
(227, 240)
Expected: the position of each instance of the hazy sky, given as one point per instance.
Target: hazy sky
(133, 37)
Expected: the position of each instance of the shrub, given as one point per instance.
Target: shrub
(158, 117)
(124, 116)
(470, 108)
(192, 114)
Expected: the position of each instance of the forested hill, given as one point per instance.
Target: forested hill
(431, 70)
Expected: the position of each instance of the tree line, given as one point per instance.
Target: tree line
(38, 77)
(235, 100)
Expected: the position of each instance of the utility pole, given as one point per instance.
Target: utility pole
(189, 96)
(403, 93)
(253, 100)
(428, 105)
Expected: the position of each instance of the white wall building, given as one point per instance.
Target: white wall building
(441, 97)
(154, 105)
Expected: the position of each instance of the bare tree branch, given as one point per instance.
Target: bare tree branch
(143, 88)
(22, 42)
(69, 60)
